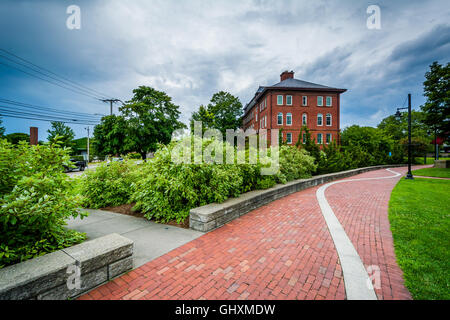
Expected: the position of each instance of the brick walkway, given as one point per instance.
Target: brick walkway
(280, 251)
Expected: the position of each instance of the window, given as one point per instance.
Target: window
(289, 100)
(304, 119)
(304, 138)
(328, 119)
(288, 138)
(289, 119)
(320, 101)
(265, 121)
(319, 119)
(280, 119)
(319, 138)
(280, 100)
(304, 101)
(328, 138)
(256, 116)
(265, 103)
(329, 101)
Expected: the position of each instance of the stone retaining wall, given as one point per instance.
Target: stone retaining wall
(47, 277)
(215, 215)
(443, 164)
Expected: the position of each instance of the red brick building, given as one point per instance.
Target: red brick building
(292, 103)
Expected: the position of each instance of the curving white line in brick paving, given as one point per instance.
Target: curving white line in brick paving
(357, 285)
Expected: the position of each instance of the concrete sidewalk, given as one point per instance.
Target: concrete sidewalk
(151, 240)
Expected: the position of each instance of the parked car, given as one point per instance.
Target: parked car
(114, 159)
(79, 164)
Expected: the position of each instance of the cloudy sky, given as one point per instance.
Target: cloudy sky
(192, 49)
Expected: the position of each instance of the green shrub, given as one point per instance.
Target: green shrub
(167, 190)
(294, 164)
(110, 184)
(134, 155)
(36, 200)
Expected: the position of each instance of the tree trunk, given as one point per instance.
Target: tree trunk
(144, 156)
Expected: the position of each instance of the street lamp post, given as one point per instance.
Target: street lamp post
(398, 115)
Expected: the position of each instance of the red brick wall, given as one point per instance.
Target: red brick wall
(297, 110)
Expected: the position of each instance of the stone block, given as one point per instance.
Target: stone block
(27, 279)
(119, 267)
(101, 251)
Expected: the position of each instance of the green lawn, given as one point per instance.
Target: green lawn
(419, 212)
(433, 172)
(430, 160)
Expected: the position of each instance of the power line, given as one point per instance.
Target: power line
(74, 83)
(44, 119)
(51, 77)
(56, 84)
(4, 110)
(50, 115)
(65, 83)
(41, 108)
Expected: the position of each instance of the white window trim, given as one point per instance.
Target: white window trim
(331, 138)
(321, 98)
(290, 135)
(306, 118)
(321, 138)
(278, 119)
(278, 100)
(304, 101)
(289, 104)
(265, 121)
(288, 114)
(331, 101)
(331, 120)
(319, 115)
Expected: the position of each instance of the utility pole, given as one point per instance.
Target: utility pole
(87, 146)
(111, 101)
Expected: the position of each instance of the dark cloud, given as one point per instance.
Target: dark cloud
(192, 49)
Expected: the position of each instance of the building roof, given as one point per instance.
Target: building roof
(290, 84)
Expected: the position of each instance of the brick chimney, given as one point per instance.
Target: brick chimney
(287, 75)
(33, 136)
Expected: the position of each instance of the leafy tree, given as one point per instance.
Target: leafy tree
(419, 146)
(2, 129)
(16, 137)
(110, 136)
(398, 128)
(333, 159)
(151, 118)
(437, 106)
(63, 133)
(223, 112)
(204, 116)
(310, 144)
(372, 141)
